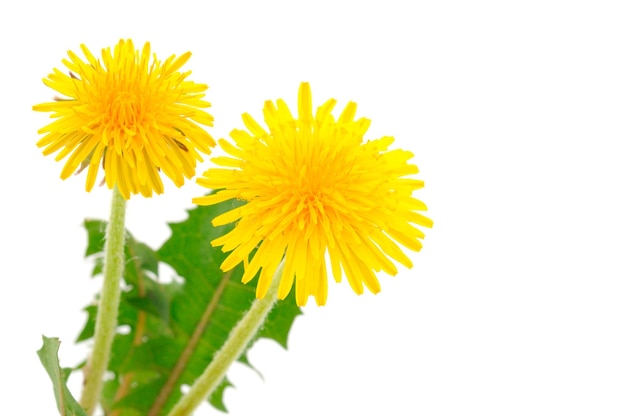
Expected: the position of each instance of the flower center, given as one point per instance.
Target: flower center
(125, 109)
(313, 195)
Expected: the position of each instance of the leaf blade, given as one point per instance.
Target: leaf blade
(48, 355)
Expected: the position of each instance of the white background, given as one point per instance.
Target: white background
(516, 114)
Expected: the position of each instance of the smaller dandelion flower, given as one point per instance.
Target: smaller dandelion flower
(315, 191)
(131, 114)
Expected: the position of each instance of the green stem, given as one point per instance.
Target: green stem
(106, 321)
(234, 346)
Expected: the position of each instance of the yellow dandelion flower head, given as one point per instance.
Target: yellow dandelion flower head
(131, 114)
(316, 193)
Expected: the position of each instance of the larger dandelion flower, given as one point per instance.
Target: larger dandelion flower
(315, 191)
(134, 115)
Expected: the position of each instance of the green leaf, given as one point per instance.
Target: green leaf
(139, 257)
(181, 323)
(95, 236)
(48, 355)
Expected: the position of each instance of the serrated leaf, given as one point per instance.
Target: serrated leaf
(95, 236)
(48, 355)
(90, 326)
(153, 301)
(140, 258)
(168, 321)
(217, 398)
(191, 255)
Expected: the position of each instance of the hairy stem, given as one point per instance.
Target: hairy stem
(234, 346)
(106, 321)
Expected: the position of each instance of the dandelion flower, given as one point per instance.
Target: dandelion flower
(132, 115)
(316, 193)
